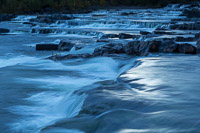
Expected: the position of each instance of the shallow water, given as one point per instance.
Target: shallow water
(37, 93)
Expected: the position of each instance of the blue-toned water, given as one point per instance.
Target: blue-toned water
(160, 94)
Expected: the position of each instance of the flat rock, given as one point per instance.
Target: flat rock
(46, 47)
(2, 30)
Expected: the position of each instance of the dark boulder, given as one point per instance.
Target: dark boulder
(191, 13)
(69, 56)
(197, 36)
(168, 46)
(109, 49)
(127, 13)
(125, 36)
(187, 49)
(161, 32)
(43, 31)
(155, 46)
(6, 17)
(65, 46)
(139, 48)
(198, 47)
(102, 40)
(106, 36)
(2, 30)
(144, 32)
(185, 39)
(46, 47)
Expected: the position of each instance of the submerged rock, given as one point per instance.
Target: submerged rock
(144, 32)
(109, 49)
(69, 56)
(2, 30)
(187, 49)
(191, 13)
(65, 46)
(125, 36)
(185, 39)
(198, 47)
(106, 36)
(46, 47)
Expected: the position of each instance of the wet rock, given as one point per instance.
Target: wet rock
(46, 47)
(78, 47)
(168, 46)
(6, 17)
(186, 26)
(139, 48)
(198, 47)
(125, 36)
(102, 40)
(144, 32)
(106, 36)
(99, 15)
(185, 39)
(65, 46)
(2, 30)
(128, 13)
(69, 56)
(155, 46)
(29, 23)
(50, 18)
(43, 31)
(109, 49)
(187, 49)
(191, 13)
(197, 36)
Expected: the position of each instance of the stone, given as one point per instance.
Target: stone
(109, 49)
(6, 17)
(198, 47)
(187, 49)
(144, 32)
(125, 36)
(106, 36)
(184, 39)
(139, 48)
(69, 56)
(46, 47)
(168, 46)
(65, 46)
(2, 30)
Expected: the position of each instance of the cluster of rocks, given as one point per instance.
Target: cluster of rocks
(62, 46)
(6, 17)
(50, 18)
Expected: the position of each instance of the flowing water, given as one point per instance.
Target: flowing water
(36, 92)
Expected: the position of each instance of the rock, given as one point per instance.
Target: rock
(99, 15)
(109, 49)
(198, 47)
(106, 36)
(139, 48)
(128, 13)
(125, 36)
(69, 56)
(185, 39)
(197, 36)
(29, 23)
(191, 13)
(186, 26)
(78, 47)
(6, 17)
(144, 32)
(43, 31)
(50, 18)
(187, 49)
(46, 47)
(102, 40)
(2, 30)
(155, 46)
(65, 46)
(168, 46)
